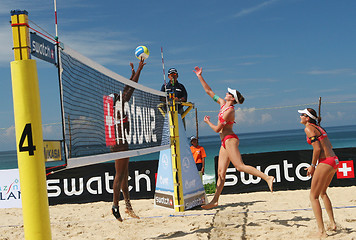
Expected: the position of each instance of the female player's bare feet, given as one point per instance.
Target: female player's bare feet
(131, 213)
(317, 235)
(210, 205)
(269, 181)
(129, 210)
(332, 227)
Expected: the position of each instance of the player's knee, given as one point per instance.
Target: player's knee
(240, 167)
(221, 175)
(119, 177)
(313, 196)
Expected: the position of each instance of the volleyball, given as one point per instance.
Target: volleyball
(142, 52)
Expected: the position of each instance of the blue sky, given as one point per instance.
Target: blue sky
(278, 53)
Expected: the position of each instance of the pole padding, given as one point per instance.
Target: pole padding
(30, 153)
(176, 157)
(20, 34)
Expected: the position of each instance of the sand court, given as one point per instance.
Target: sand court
(260, 215)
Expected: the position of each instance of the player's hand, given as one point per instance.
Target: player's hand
(310, 170)
(141, 63)
(207, 119)
(198, 71)
(132, 68)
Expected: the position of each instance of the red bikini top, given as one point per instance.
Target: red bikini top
(221, 113)
(315, 138)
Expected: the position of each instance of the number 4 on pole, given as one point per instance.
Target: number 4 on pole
(30, 148)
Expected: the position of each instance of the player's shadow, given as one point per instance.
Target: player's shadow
(295, 221)
(341, 230)
(178, 234)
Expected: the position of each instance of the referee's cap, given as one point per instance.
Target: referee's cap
(172, 70)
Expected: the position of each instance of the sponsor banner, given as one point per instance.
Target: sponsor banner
(164, 172)
(10, 193)
(42, 49)
(95, 183)
(164, 200)
(52, 150)
(288, 168)
(197, 200)
(192, 183)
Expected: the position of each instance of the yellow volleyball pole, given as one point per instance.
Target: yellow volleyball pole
(176, 158)
(29, 138)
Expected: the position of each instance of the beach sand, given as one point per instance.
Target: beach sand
(261, 215)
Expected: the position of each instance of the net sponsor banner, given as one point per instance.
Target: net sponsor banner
(10, 191)
(94, 183)
(109, 120)
(288, 168)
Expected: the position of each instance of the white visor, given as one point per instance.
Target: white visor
(233, 92)
(308, 113)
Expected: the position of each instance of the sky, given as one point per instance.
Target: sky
(282, 55)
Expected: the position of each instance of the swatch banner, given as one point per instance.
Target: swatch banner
(42, 49)
(95, 183)
(288, 168)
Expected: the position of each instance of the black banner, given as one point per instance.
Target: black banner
(94, 183)
(43, 49)
(288, 169)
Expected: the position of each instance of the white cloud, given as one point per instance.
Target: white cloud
(10, 132)
(47, 129)
(266, 117)
(259, 56)
(332, 116)
(331, 71)
(6, 52)
(251, 80)
(247, 63)
(250, 116)
(102, 46)
(247, 11)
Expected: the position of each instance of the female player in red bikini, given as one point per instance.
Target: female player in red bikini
(324, 172)
(229, 150)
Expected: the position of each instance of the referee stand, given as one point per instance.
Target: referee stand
(178, 184)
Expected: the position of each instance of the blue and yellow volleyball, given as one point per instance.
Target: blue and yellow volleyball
(142, 52)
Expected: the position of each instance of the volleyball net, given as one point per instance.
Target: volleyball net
(105, 115)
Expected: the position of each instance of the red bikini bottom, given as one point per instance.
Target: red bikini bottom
(228, 137)
(332, 161)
